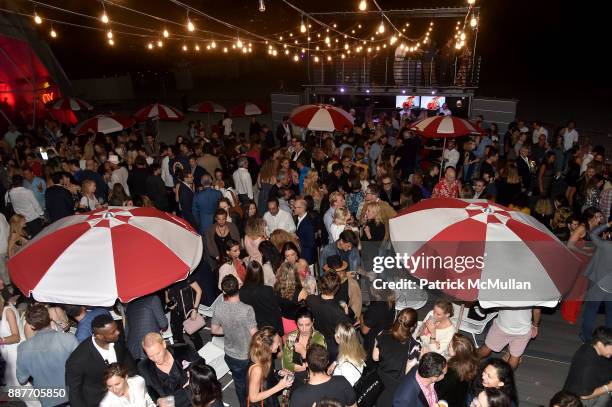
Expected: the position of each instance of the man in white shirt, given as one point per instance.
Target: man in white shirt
(513, 327)
(336, 200)
(521, 126)
(570, 136)
(119, 174)
(24, 203)
(165, 168)
(445, 110)
(450, 156)
(227, 126)
(11, 136)
(243, 181)
(4, 236)
(538, 130)
(277, 218)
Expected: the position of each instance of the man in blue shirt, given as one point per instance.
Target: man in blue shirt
(84, 317)
(35, 184)
(42, 358)
(345, 247)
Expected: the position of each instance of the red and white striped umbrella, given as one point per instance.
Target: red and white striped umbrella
(247, 109)
(69, 103)
(444, 127)
(207, 107)
(104, 124)
(468, 242)
(108, 254)
(158, 111)
(321, 117)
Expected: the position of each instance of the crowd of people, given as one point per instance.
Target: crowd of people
(289, 222)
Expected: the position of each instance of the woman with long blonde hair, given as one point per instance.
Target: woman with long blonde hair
(264, 343)
(18, 235)
(289, 293)
(312, 188)
(351, 355)
(254, 234)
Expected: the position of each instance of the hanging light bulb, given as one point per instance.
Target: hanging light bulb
(109, 34)
(473, 22)
(213, 45)
(471, 2)
(317, 48)
(329, 58)
(393, 40)
(160, 44)
(197, 47)
(184, 47)
(363, 5)
(342, 56)
(190, 26)
(302, 28)
(274, 53)
(244, 50)
(327, 40)
(296, 58)
(462, 36)
(111, 42)
(239, 43)
(346, 46)
(225, 50)
(286, 52)
(104, 18)
(166, 34)
(150, 45)
(37, 19)
(52, 33)
(262, 6)
(381, 27)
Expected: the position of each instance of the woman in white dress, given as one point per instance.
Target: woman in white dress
(11, 335)
(124, 391)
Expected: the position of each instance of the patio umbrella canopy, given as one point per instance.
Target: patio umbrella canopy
(247, 109)
(444, 127)
(207, 107)
(108, 254)
(69, 103)
(157, 111)
(321, 117)
(104, 124)
(508, 247)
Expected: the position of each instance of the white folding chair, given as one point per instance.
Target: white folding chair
(215, 358)
(469, 325)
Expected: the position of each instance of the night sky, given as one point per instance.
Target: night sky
(537, 51)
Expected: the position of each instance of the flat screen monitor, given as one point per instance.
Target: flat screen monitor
(432, 102)
(409, 102)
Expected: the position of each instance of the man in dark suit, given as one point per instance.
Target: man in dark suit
(86, 365)
(305, 231)
(58, 199)
(185, 198)
(137, 177)
(524, 168)
(196, 170)
(205, 204)
(417, 387)
(299, 151)
(165, 370)
(390, 193)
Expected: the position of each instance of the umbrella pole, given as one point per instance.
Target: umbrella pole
(442, 160)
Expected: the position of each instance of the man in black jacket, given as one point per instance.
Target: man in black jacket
(138, 177)
(165, 370)
(58, 199)
(86, 365)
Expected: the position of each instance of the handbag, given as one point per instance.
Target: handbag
(191, 326)
(369, 387)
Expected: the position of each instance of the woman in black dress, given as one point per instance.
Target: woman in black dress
(396, 352)
(462, 369)
(261, 297)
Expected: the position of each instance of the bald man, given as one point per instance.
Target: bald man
(165, 370)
